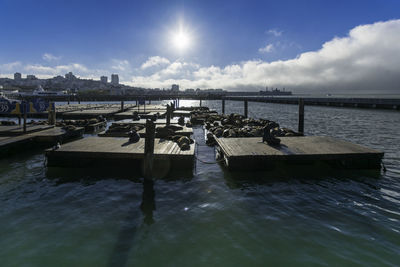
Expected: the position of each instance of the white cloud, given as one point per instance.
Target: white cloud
(367, 60)
(49, 57)
(12, 66)
(46, 71)
(120, 65)
(155, 61)
(268, 48)
(275, 32)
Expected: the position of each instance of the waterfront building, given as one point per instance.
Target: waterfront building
(104, 79)
(31, 77)
(17, 76)
(175, 87)
(114, 79)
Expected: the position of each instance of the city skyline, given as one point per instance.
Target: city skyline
(313, 46)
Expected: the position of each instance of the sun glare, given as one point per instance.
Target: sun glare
(181, 40)
(181, 37)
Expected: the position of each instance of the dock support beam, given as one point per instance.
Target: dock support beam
(301, 116)
(149, 149)
(122, 105)
(246, 107)
(223, 106)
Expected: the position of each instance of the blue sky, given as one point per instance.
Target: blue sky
(93, 38)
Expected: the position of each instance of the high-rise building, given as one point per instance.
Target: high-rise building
(175, 87)
(17, 76)
(114, 79)
(104, 79)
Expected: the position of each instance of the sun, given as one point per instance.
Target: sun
(181, 37)
(181, 40)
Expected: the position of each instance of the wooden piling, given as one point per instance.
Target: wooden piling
(51, 115)
(223, 106)
(19, 119)
(25, 115)
(200, 102)
(246, 107)
(149, 149)
(301, 116)
(169, 111)
(122, 105)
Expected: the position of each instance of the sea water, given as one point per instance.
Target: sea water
(211, 217)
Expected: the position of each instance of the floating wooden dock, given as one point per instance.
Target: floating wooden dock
(90, 113)
(111, 152)
(252, 154)
(186, 131)
(143, 121)
(13, 130)
(46, 137)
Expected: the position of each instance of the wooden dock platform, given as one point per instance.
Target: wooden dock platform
(46, 137)
(96, 151)
(143, 121)
(89, 113)
(252, 154)
(144, 115)
(186, 131)
(13, 130)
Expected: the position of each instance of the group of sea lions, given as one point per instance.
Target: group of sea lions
(236, 125)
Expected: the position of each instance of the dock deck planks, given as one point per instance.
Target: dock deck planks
(251, 153)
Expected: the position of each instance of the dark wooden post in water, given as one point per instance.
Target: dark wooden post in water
(200, 102)
(245, 108)
(25, 114)
(149, 149)
(223, 106)
(168, 114)
(301, 116)
(122, 105)
(52, 114)
(19, 119)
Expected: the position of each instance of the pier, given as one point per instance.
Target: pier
(252, 154)
(111, 151)
(238, 140)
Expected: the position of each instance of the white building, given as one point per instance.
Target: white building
(104, 79)
(114, 79)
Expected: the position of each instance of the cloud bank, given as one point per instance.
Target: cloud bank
(367, 60)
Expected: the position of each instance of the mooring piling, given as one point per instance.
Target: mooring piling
(122, 105)
(51, 114)
(223, 106)
(246, 108)
(168, 121)
(301, 116)
(149, 149)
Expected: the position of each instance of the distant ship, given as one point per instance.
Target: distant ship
(41, 92)
(275, 92)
